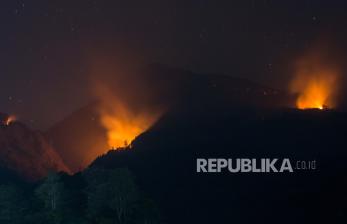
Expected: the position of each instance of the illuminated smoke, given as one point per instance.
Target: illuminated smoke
(315, 82)
(122, 122)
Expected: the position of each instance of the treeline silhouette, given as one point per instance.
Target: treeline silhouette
(95, 196)
(164, 162)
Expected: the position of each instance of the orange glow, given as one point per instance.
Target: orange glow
(122, 125)
(315, 91)
(122, 121)
(315, 83)
(10, 119)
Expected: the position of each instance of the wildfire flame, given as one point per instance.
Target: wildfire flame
(122, 122)
(10, 119)
(123, 125)
(315, 83)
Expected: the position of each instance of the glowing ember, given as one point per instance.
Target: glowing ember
(315, 83)
(10, 119)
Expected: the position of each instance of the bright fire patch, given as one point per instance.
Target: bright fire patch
(10, 119)
(315, 84)
(315, 91)
(122, 121)
(123, 126)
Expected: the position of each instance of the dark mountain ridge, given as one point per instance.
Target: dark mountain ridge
(160, 86)
(164, 161)
(215, 116)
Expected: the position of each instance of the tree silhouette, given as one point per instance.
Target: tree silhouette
(51, 193)
(111, 194)
(12, 205)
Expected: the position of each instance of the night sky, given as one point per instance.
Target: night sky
(46, 46)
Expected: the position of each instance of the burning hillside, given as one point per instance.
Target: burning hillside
(315, 82)
(26, 151)
(127, 106)
(6, 120)
(122, 125)
(122, 122)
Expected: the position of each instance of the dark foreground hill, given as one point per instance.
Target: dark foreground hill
(164, 162)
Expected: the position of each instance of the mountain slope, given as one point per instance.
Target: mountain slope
(80, 137)
(164, 162)
(27, 152)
